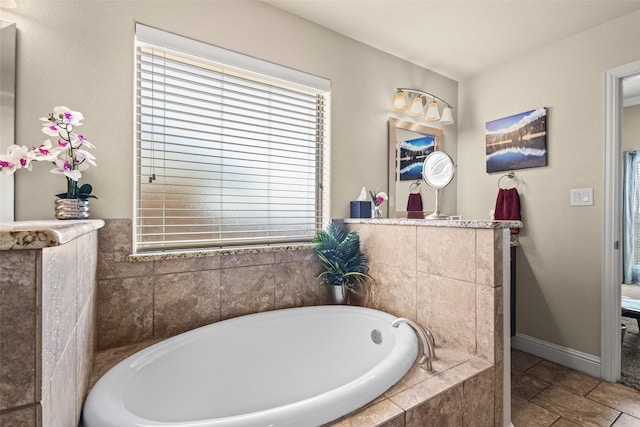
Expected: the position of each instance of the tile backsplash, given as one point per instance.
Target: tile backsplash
(157, 298)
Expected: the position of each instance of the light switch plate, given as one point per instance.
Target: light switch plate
(582, 197)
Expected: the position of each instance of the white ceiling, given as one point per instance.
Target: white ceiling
(458, 38)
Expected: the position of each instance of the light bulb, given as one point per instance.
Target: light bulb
(432, 111)
(416, 107)
(447, 116)
(399, 102)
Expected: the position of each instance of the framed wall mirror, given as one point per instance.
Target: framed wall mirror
(7, 111)
(409, 145)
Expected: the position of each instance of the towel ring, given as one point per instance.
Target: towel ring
(509, 175)
(414, 186)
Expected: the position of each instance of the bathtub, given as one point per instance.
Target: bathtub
(294, 367)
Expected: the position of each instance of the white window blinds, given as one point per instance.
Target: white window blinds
(225, 157)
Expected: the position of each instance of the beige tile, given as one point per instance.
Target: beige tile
(498, 393)
(296, 284)
(62, 411)
(470, 368)
(367, 238)
(106, 359)
(17, 328)
(395, 422)
(87, 261)
(246, 290)
(625, 420)
(423, 391)
(447, 252)
(446, 358)
(23, 417)
(394, 290)
(526, 386)
(489, 257)
(478, 399)
(181, 265)
(444, 409)
(114, 265)
(448, 308)
(125, 311)
(556, 374)
(297, 255)
(59, 303)
(115, 236)
(523, 361)
(395, 246)
(527, 414)
(574, 407)
(247, 260)
(436, 384)
(185, 301)
(563, 422)
(85, 338)
(489, 324)
(617, 396)
(383, 413)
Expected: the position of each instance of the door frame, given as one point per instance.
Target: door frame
(610, 334)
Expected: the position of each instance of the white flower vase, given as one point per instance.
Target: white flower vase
(377, 213)
(72, 209)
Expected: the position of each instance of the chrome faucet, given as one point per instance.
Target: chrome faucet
(426, 337)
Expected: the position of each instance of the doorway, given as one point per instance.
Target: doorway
(612, 222)
(630, 150)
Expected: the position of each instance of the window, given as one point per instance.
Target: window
(231, 151)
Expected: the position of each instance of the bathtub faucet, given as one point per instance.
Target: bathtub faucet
(426, 337)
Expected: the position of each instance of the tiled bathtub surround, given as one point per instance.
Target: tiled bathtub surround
(46, 321)
(154, 297)
(446, 277)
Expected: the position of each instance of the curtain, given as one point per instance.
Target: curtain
(631, 271)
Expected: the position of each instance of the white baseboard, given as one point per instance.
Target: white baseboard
(574, 359)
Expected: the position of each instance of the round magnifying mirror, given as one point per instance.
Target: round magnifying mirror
(437, 173)
(438, 170)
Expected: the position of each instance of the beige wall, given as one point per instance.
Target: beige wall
(80, 54)
(559, 262)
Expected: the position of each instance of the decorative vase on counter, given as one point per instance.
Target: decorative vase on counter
(72, 209)
(377, 213)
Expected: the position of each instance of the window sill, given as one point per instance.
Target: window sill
(199, 253)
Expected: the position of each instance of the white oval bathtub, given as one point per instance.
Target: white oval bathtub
(295, 367)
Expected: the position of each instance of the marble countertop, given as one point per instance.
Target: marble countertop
(44, 233)
(459, 223)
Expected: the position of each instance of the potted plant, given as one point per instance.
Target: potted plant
(345, 267)
(68, 151)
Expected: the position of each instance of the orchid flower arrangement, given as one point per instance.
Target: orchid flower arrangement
(68, 152)
(379, 198)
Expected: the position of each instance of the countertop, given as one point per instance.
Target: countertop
(44, 233)
(458, 223)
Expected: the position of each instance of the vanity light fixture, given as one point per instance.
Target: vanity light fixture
(413, 101)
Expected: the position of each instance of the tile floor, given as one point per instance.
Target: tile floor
(546, 394)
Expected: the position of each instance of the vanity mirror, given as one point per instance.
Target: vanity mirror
(409, 145)
(437, 172)
(7, 111)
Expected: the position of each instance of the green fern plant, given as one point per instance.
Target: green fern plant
(343, 262)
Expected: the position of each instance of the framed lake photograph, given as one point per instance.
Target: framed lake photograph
(411, 154)
(517, 142)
